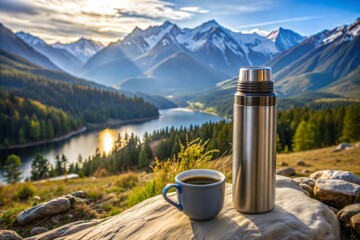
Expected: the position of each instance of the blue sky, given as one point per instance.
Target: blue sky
(110, 20)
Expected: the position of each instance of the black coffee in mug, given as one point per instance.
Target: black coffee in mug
(199, 180)
(194, 190)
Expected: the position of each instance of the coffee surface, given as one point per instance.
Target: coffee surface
(200, 180)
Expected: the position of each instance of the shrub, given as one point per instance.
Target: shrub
(100, 172)
(95, 194)
(82, 211)
(60, 189)
(25, 192)
(192, 155)
(9, 216)
(127, 180)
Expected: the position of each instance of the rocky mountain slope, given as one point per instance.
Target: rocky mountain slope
(83, 49)
(11, 43)
(62, 58)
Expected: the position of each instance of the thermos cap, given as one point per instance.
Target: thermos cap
(255, 74)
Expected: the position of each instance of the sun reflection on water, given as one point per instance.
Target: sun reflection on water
(107, 141)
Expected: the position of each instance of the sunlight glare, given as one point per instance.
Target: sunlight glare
(107, 141)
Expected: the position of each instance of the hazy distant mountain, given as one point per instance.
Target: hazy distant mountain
(285, 39)
(176, 74)
(31, 72)
(83, 48)
(318, 61)
(11, 43)
(60, 57)
(210, 44)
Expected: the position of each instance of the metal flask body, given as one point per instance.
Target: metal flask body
(254, 141)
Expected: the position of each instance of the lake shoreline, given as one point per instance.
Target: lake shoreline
(108, 124)
(56, 139)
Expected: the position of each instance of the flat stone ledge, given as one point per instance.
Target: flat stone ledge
(296, 216)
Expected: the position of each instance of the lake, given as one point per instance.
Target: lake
(87, 142)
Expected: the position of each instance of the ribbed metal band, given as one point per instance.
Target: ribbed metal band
(255, 100)
(255, 87)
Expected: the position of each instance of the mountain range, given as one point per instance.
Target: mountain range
(187, 62)
(215, 51)
(324, 65)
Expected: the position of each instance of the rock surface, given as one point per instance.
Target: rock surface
(300, 163)
(156, 219)
(342, 146)
(38, 230)
(304, 180)
(337, 193)
(43, 210)
(334, 174)
(79, 194)
(347, 212)
(286, 171)
(350, 216)
(9, 235)
(355, 223)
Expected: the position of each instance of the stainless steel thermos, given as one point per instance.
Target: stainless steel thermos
(254, 141)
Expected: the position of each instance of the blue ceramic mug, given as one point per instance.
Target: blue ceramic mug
(200, 193)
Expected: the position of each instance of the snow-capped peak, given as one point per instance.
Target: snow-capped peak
(343, 33)
(30, 39)
(285, 38)
(207, 26)
(83, 48)
(150, 37)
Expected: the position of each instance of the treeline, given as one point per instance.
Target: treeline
(87, 104)
(298, 129)
(24, 120)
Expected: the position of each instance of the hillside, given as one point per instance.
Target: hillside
(23, 120)
(220, 99)
(73, 95)
(318, 61)
(13, 44)
(315, 160)
(13, 62)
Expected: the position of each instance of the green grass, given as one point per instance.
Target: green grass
(191, 156)
(107, 196)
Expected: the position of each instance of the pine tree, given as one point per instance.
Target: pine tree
(12, 171)
(64, 163)
(351, 130)
(39, 168)
(143, 157)
(58, 166)
(304, 138)
(278, 143)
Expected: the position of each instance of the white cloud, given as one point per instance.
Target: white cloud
(62, 20)
(297, 19)
(194, 9)
(258, 31)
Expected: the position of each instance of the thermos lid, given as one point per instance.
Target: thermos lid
(255, 74)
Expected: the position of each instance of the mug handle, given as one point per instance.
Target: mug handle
(178, 189)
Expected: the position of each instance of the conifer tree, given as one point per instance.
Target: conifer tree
(351, 130)
(39, 167)
(12, 171)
